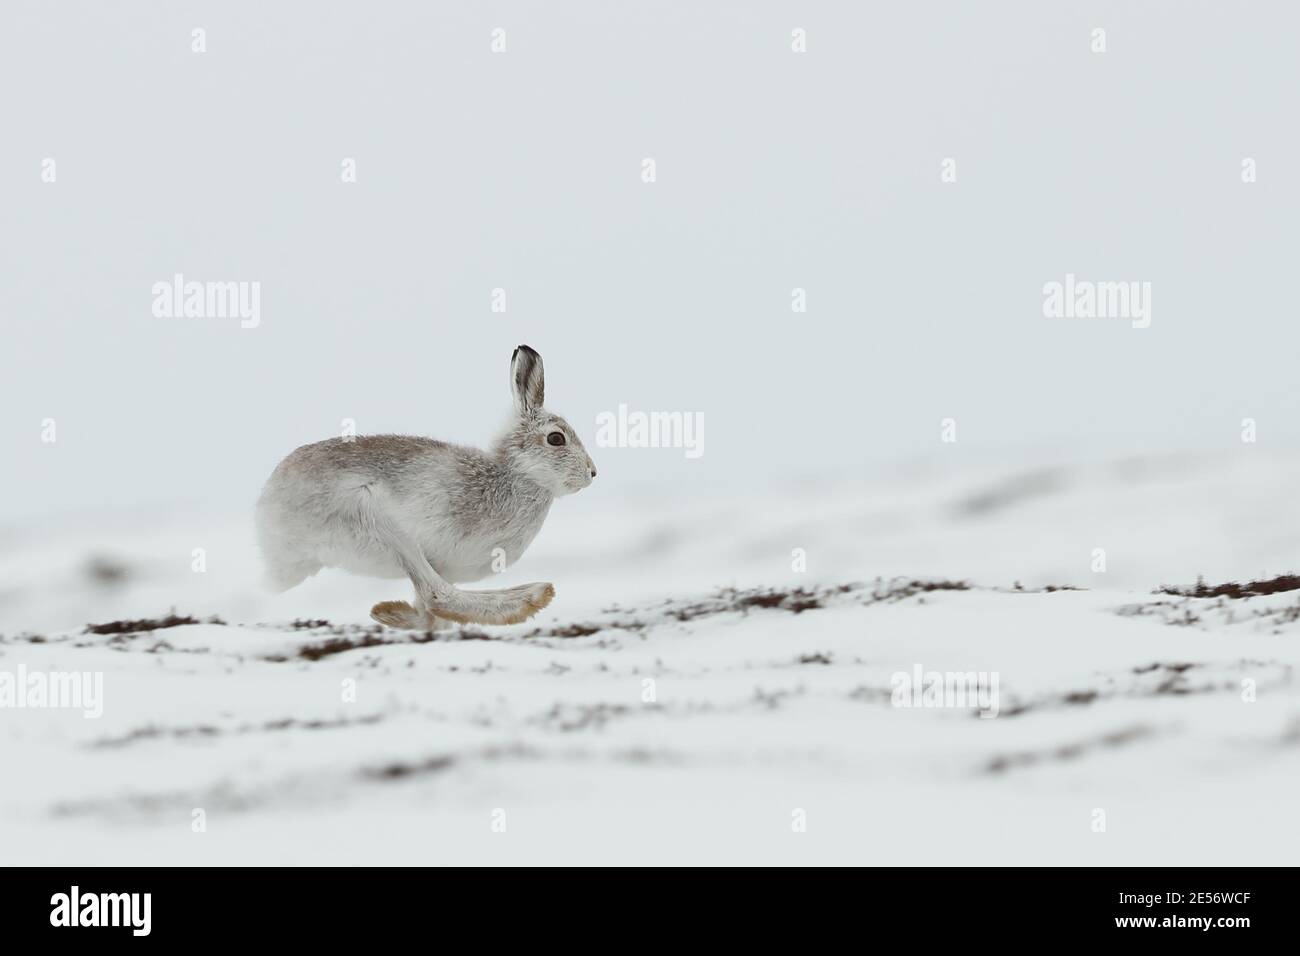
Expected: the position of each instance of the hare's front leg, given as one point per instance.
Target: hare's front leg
(401, 615)
(428, 584)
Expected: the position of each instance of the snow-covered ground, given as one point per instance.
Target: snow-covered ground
(689, 697)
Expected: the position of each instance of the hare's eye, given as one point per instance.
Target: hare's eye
(555, 438)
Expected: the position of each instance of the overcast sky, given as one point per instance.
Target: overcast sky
(523, 170)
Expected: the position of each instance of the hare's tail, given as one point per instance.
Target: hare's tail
(504, 606)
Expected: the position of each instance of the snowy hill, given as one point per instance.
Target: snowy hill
(688, 697)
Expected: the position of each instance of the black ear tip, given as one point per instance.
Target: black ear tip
(526, 349)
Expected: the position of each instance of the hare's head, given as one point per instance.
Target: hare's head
(540, 444)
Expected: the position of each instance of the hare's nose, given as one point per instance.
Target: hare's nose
(593, 471)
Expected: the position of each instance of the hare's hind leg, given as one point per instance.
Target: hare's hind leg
(504, 606)
(435, 597)
(507, 606)
(287, 564)
(286, 570)
(281, 576)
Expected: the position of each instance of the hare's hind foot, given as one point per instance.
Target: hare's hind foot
(402, 616)
(505, 606)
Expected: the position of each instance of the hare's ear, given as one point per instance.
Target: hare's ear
(527, 383)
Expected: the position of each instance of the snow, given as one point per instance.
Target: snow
(1111, 697)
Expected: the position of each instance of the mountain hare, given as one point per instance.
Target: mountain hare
(394, 506)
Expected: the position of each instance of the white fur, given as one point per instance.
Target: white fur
(395, 506)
